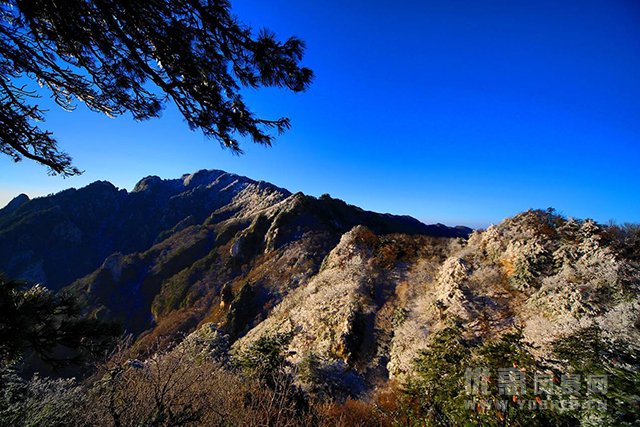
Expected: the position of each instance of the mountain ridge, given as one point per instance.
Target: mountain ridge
(95, 233)
(360, 294)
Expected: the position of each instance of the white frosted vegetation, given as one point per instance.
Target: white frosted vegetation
(320, 312)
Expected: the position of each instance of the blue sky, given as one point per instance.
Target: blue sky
(453, 111)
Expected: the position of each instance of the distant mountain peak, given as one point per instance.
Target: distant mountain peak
(147, 183)
(15, 203)
(202, 177)
(188, 181)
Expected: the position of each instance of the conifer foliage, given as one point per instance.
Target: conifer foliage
(133, 56)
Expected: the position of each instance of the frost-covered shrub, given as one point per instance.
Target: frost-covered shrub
(589, 276)
(523, 262)
(399, 316)
(310, 369)
(558, 297)
(487, 276)
(409, 338)
(451, 277)
(522, 246)
(492, 241)
(265, 358)
(207, 342)
(38, 402)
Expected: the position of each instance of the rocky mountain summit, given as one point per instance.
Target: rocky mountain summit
(55, 240)
(359, 295)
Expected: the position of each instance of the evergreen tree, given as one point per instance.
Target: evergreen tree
(608, 367)
(118, 56)
(460, 382)
(437, 393)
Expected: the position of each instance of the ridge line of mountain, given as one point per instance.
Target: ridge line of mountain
(59, 238)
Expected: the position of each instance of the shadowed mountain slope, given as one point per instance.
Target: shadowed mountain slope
(55, 240)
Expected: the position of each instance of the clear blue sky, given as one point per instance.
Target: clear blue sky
(462, 112)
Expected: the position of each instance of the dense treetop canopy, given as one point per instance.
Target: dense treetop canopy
(121, 55)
